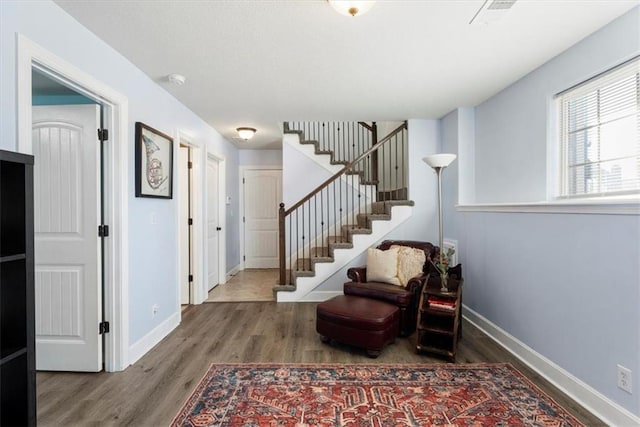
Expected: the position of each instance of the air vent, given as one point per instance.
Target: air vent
(501, 4)
(492, 11)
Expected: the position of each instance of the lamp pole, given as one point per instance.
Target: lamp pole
(441, 234)
(438, 162)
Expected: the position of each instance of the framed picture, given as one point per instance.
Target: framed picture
(154, 163)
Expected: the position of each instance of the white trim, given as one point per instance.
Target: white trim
(594, 401)
(235, 270)
(153, 337)
(601, 207)
(222, 220)
(241, 171)
(319, 296)
(198, 210)
(116, 252)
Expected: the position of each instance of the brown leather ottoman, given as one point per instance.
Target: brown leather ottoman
(358, 321)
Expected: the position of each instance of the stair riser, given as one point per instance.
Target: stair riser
(306, 285)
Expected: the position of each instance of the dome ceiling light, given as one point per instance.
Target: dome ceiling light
(246, 133)
(351, 8)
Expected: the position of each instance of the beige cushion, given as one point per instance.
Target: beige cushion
(410, 263)
(382, 266)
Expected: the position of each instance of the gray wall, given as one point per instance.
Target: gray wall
(566, 285)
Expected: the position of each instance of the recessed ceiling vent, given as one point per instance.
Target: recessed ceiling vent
(501, 4)
(492, 11)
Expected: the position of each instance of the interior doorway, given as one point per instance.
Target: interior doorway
(115, 184)
(213, 223)
(186, 212)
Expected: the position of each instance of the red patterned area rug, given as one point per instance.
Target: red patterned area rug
(369, 395)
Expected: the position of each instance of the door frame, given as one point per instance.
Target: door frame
(197, 244)
(222, 221)
(242, 169)
(116, 177)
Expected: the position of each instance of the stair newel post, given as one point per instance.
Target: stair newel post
(281, 244)
(374, 155)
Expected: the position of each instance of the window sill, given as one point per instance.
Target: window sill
(585, 206)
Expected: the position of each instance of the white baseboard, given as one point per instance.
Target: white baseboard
(146, 343)
(591, 399)
(233, 271)
(319, 296)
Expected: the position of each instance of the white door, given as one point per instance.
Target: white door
(262, 198)
(185, 227)
(67, 252)
(213, 253)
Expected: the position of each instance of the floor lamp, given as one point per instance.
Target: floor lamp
(438, 162)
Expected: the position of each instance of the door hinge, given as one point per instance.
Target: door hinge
(190, 165)
(243, 180)
(103, 134)
(191, 277)
(242, 219)
(218, 228)
(103, 328)
(190, 221)
(244, 257)
(103, 230)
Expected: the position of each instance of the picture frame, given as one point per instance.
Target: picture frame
(154, 163)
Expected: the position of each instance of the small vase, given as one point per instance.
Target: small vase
(443, 282)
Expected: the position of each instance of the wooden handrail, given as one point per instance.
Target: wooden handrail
(345, 169)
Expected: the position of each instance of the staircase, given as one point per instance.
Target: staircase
(363, 200)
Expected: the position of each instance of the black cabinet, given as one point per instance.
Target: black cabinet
(17, 327)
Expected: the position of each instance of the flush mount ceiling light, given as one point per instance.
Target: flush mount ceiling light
(177, 79)
(351, 8)
(246, 133)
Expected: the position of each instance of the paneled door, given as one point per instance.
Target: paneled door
(68, 284)
(186, 224)
(213, 229)
(262, 198)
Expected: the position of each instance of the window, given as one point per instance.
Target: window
(600, 134)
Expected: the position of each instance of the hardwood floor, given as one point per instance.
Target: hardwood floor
(150, 392)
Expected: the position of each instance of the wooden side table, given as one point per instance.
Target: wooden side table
(439, 318)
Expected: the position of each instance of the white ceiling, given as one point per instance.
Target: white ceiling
(261, 62)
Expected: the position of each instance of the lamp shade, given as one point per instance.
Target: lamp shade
(246, 133)
(351, 8)
(439, 160)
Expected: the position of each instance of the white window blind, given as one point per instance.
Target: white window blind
(600, 134)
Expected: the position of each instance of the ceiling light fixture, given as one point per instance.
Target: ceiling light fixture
(351, 8)
(177, 79)
(246, 133)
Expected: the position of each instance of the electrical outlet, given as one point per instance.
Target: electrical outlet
(154, 310)
(624, 379)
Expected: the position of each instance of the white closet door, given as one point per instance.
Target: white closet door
(67, 251)
(213, 254)
(262, 198)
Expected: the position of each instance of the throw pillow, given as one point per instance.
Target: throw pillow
(382, 266)
(410, 263)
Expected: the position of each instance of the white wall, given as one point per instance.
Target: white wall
(152, 263)
(566, 285)
(260, 157)
(300, 176)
